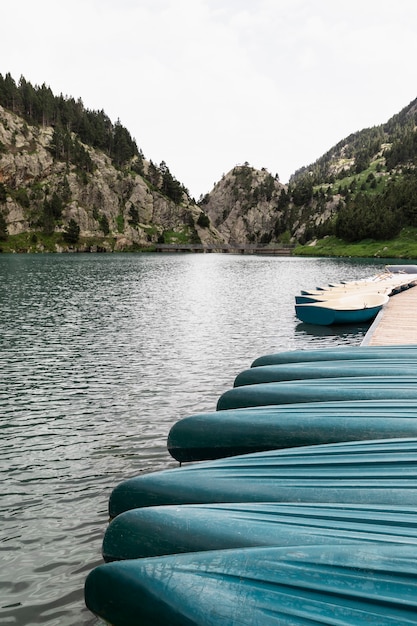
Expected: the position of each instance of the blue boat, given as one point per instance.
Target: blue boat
(243, 431)
(159, 530)
(338, 353)
(326, 369)
(360, 472)
(320, 390)
(351, 585)
(356, 309)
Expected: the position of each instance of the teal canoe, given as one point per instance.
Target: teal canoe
(320, 390)
(243, 431)
(155, 531)
(326, 369)
(360, 472)
(338, 353)
(344, 585)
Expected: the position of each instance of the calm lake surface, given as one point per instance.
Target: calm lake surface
(99, 356)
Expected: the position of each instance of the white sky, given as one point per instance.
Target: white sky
(208, 84)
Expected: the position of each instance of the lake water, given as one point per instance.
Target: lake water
(99, 356)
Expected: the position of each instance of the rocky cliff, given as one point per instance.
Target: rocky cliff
(247, 206)
(114, 209)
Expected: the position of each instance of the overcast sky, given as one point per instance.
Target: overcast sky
(205, 85)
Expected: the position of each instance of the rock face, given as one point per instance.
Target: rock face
(245, 206)
(119, 207)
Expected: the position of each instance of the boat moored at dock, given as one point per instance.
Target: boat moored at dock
(325, 369)
(362, 583)
(352, 309)
(353, 302)
(233, 432)
(196, 528)
(400, 351)
(360, 472)
(320, 390)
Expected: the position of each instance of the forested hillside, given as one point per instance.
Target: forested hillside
(72, 179)
(74, 125)
(364, 187)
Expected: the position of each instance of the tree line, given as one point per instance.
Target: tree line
(75, 125)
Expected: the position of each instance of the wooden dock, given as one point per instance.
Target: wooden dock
(396, 324)
(234, 248)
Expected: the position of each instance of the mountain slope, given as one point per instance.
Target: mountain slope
(363, 187)
(245, 206)
(70, 179)
(115, 209)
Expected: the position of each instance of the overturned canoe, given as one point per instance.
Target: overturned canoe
(326, 369)
(243, 431)
(351, 585)
(360, 472)
(338, 353)
(320, 390)
(355, 309)
(155, 531)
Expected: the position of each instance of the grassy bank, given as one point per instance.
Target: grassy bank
(402, 247)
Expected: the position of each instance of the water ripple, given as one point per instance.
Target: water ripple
(99, 356)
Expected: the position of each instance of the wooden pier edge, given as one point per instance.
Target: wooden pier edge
(396, 323)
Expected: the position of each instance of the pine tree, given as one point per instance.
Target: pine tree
(72, 233)
(4, 233)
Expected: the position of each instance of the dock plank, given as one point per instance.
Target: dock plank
(396, 323)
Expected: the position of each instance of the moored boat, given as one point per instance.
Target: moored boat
(360, 472)
(339, 353)
(244, 431)
(353, 302)
(362, 583)
(159, 530)
(354, 309)
(320, 390)
(326, 369)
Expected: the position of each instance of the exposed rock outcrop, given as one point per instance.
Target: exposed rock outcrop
(118, 206)
(246, 206)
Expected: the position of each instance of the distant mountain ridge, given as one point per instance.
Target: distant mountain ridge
(70, 179)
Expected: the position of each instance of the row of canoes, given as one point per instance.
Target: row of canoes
(280, 527)
(306, 397)
(354, 302)
(303, 522)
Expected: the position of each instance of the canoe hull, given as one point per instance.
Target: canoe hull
(244, 431)
(319, 390)
(338, 353)
(325, 369)
(370, 583)
(327, 316)
(367, 472)
(161, 530)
